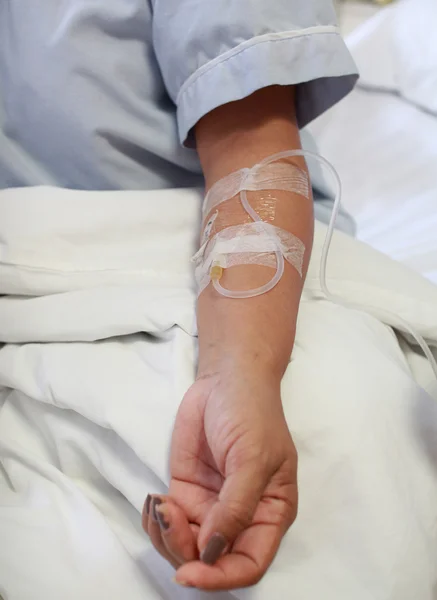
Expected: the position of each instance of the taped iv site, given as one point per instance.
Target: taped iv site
(258, 242)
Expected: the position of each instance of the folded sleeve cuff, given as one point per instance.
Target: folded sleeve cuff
(316, 60)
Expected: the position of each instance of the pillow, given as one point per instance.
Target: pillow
(384, 150)
(384, 145)
(396, 52)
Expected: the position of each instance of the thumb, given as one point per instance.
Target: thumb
(233, 512)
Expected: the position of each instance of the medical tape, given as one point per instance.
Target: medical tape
(273, 176)
(232, 212)
(253, 243)
(242, 232)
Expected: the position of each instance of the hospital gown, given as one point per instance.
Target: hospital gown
(104, 94)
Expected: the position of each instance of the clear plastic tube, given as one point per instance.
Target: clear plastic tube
(256, 291)
(378, 313)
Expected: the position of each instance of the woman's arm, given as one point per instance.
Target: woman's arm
(233, 489)
(254, 334)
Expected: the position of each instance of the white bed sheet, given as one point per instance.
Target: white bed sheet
(85, 427)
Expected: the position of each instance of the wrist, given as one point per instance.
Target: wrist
(246, 362)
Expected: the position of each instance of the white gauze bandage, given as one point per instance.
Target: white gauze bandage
(246, 235)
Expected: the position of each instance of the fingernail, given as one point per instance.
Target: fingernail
(183, 583)
(155, 502)
(147, 505)
(214, 549)
(162, 522)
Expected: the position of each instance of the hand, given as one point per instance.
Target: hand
(233, 491)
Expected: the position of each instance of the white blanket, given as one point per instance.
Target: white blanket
(86, 419)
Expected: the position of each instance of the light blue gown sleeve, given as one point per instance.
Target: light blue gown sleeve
(211, 52)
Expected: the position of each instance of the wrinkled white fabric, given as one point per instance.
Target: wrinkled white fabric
(85, 426)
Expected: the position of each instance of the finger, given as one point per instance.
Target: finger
(249, 560)
(152, 528)
(177, 535)
(234, 511)
(279, 510)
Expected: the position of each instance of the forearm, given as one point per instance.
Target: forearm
(254, 333)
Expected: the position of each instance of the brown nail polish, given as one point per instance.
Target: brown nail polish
(214, 549)
(155, 502)
(162, 522)
(147, 505)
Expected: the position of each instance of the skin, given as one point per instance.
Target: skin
(233, 461)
